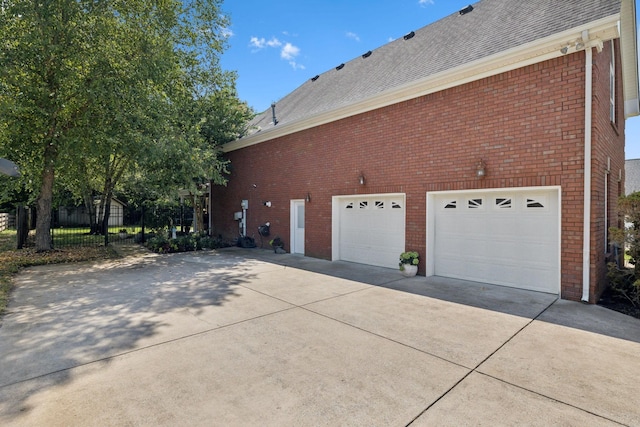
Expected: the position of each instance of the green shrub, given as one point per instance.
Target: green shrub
(207, 242)
(185, 243)
(624, 283)
(161, 244)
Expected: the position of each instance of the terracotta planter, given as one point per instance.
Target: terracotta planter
(409, 270)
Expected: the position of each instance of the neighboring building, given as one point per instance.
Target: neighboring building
(78, 215)
(491, 141)
(631, 176)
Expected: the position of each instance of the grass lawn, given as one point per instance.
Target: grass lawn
(63, 237)
(12, 260)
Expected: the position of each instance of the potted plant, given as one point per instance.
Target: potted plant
(277, 244)
(409, 263)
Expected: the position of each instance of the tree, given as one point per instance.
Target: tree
(187, 155)
(92, 87)
(624, 282)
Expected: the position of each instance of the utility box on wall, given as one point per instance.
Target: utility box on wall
(237, 216)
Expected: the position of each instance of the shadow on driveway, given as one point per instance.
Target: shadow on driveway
(64, 316)
(299, 332)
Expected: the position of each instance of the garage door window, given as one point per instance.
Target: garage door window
(474, 203)
(535, 203)
(503, 203)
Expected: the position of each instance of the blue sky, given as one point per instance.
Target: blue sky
(276, 45)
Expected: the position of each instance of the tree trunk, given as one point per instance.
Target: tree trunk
(199, 215)
(90, 207)
(22, 227)
(44, 202)
(107, 212)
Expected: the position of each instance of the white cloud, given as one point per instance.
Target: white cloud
(256, 42)
(289, 51)
(424, 3)
(261, 43)
(227, 33)
(296, 66)
(274, 42)
(353, 36)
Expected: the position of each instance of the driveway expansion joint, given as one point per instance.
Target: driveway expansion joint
(475, 369)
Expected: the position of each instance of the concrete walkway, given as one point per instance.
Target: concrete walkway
(248, 337)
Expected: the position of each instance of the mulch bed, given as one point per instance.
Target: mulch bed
(618, 304)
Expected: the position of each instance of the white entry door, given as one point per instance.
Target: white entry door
(297, 227)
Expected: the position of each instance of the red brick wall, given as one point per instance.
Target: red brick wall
(608, 142)
(526, 124)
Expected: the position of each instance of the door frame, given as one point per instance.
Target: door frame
(292, 223)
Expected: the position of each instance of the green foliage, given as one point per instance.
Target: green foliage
(276, 242)
(411, 258)
(624, 282)
(161, 244)
(187, 243)
(207, 242)
(96, 95)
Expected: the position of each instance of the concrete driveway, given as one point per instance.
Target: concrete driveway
(248, 337)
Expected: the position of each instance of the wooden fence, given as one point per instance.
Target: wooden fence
(6, 221)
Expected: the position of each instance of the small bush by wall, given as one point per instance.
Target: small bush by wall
(624, 282)
(186, 243)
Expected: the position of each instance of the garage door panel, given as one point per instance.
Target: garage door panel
(371, 229)
(507, 239)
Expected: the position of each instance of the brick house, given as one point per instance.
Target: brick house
(491, 142)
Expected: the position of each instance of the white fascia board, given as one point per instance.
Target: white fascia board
(629, 55)
(521, 56)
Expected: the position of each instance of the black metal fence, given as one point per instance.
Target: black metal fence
(72, 226)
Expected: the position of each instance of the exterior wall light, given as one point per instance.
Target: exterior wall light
(361, 179)
(481, 169)
(308, 198)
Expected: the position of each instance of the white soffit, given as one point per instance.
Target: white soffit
(629, 51)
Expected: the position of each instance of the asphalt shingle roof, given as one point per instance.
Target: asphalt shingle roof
(492, 27)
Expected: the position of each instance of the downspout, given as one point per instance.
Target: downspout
(586, 225)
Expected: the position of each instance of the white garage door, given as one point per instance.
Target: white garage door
(371, 229)
(507, 238)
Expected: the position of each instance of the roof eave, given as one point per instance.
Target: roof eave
(530, 53)
(629, 54)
